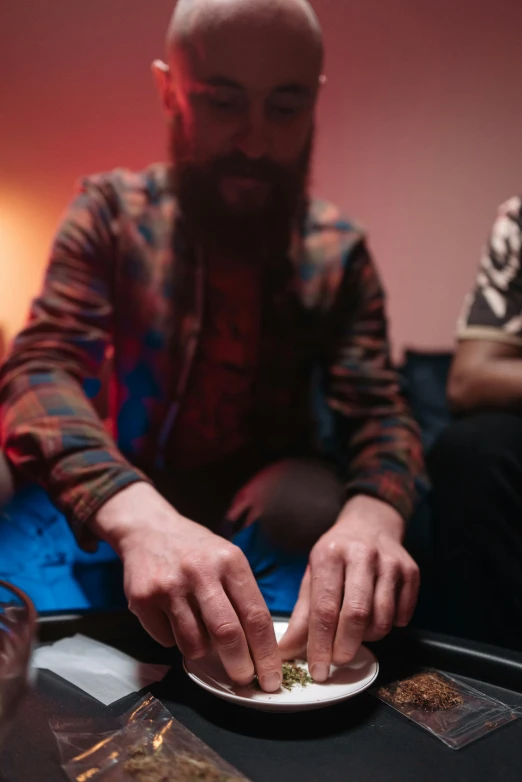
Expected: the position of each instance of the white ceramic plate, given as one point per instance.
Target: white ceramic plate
(344, 683)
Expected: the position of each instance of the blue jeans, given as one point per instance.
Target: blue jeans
(39, 554)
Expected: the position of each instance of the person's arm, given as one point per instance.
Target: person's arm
(187, 585)
(487, 368)
(383, 450)
(49, 429)
(485, 375)
(360, 580)
(190, 587)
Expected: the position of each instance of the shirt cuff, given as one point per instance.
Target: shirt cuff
(81, 504)
(489, 333)
(396, 495)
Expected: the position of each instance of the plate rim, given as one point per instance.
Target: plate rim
(267, 705)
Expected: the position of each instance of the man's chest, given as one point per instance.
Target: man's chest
(232, 321)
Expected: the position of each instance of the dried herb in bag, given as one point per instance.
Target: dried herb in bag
(155, 765)
(151, 746)
(454, 712)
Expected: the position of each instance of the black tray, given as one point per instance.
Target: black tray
(358, 740)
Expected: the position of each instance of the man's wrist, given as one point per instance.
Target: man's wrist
(127, 512)
(365, 513)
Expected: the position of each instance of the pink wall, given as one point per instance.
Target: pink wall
(420, 132)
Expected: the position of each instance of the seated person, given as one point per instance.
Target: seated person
(227, 296)
(476, 466)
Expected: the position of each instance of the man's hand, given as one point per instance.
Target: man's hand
(360, 581)
(190, 587)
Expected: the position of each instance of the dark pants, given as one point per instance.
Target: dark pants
(275, 511)
(476, 468)
(284, 509)
(293, 501)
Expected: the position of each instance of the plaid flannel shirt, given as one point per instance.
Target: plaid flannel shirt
(121, 276)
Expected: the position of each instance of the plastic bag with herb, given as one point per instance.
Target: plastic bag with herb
(454, 712)
(150, 747)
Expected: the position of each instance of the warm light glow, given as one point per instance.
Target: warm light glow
(419, 140)
(26, 230)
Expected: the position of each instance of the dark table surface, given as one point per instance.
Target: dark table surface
(359, 740)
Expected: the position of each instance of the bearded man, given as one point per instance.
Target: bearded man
(259, 426)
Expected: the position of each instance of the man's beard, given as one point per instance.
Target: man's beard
(253, 232)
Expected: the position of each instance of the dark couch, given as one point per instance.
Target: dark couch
(424, 377)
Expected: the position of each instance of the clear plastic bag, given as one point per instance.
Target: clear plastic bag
(454, 712)
(151, 746)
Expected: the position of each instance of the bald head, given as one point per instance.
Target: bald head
(194, 20)
(241, 87)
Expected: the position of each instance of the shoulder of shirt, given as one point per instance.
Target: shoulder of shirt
(133, 189)
(506, 234)
(512, 209)
(324, 216)
(328, 236)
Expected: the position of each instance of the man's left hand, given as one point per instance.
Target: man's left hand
(359, 583)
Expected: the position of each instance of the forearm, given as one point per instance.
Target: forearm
(52, 435)
(491, 384)
(385, 461)
(133, 511)
(379, 437)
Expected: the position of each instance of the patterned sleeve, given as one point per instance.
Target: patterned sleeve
(49, 430)
(493, 310)
(383, 446)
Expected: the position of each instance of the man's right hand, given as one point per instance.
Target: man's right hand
(190, 587)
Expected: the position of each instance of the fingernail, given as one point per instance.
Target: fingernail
(320, 672)
(271, 682)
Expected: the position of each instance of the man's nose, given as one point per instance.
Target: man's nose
(253, 138)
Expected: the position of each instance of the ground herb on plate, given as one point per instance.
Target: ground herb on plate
(425, 691)
(292, 674)
(145, 766)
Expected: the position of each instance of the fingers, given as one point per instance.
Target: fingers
(408, 593)
(294, 642)
(168, 616)
(384, 603)
(237, 619)
(211, 600)
(238, 507)
(327, 577)
(189, 631)
(357, 604)
(226, 635)
(157, 624)
(257, 625)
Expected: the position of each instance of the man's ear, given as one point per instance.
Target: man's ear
(163, 78)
